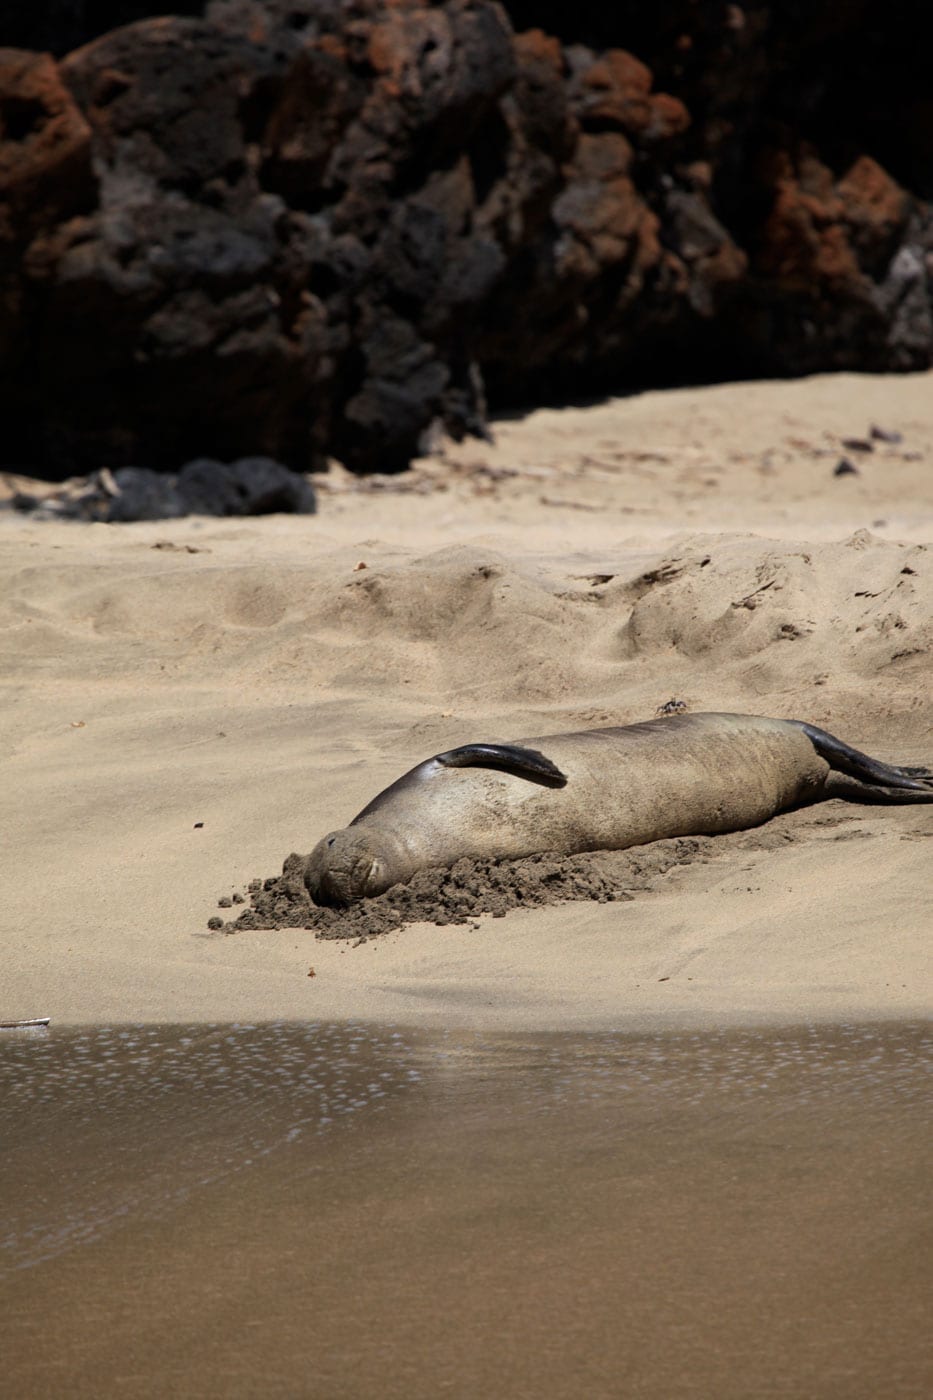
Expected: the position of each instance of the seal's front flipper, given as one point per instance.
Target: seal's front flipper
(511, 758)
(862, 779)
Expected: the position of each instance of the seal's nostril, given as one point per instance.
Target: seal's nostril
(331, 841)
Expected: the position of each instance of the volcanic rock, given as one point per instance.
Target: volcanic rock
(289, 229)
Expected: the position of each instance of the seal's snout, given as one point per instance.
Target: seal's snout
(344, 867)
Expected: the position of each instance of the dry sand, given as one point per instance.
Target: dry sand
(185, 703)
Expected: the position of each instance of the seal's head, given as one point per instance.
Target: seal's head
(352, 864)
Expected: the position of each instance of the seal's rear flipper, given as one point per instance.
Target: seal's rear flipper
(511, 758)
(859, 778)
(851, 789)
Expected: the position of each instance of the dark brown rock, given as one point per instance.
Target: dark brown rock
(286, 228)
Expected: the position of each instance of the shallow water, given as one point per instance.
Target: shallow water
(348, 1211)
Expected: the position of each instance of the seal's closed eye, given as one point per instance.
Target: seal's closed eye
(523, 763)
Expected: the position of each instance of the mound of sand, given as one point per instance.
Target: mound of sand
(462, 893)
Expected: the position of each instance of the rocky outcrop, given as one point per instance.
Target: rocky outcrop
(284, 230)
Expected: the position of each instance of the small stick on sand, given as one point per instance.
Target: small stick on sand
(19, 1025)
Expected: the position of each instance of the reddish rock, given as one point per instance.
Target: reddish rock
(875, 209)
(45, 143)
(841, 267)
(615, 90)
(828, 233)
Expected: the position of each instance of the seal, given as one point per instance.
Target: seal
(599, 789)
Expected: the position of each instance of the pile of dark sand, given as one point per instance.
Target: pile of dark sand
(461, 893)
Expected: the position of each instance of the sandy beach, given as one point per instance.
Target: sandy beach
(185, 703)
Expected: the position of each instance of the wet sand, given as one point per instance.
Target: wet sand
(342, 1210)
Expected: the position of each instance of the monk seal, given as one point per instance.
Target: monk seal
(599, 789)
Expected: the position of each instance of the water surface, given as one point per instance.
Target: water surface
(347, 1211)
